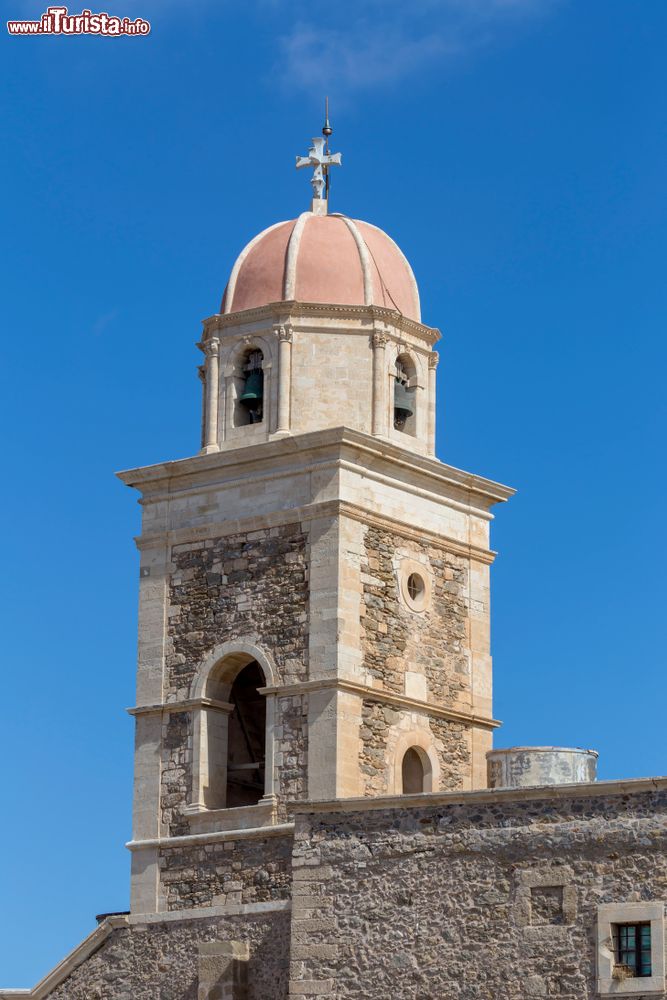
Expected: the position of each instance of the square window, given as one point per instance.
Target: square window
(631, 949)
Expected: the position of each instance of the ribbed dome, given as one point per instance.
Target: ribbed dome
(322, 258)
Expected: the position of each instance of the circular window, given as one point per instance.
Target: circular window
(414, 585)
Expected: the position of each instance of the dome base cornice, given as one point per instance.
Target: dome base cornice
(285, 312)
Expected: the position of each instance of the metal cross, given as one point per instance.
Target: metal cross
(321, 161)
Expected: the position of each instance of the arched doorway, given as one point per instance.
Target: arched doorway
(246, 740)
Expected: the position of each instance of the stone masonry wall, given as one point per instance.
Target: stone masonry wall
(379, 732)
(160, 961)
(292, 748)
(394, 638)
(227, 872)
(247, 584)
(480, 900)
(376, 721)
(256, 584)
(176, 771)
(452, 744)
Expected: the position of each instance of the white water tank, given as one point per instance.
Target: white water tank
(523, 767)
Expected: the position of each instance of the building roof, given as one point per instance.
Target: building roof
(325, 259)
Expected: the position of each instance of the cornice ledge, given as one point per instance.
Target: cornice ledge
(387, 697)
(297, 444)
(180, 706)
(473, 797)
(293, 308)
(302, 515)
(465, 549)
(192, 839)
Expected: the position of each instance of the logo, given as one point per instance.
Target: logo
(58, 21)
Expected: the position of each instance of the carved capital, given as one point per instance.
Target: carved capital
(380, 339)
(212, 347)
(433, 359)
(285, 332)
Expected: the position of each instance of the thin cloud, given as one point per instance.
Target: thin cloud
(364, 58)
(102, 322)
(379, 42)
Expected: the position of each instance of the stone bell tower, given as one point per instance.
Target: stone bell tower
(314, 584)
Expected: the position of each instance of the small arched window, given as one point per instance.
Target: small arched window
(249, 380)
(413, 772)
(405, 397)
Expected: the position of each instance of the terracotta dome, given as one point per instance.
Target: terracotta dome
(322, 258)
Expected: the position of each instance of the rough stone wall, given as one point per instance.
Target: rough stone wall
(394, 638)
(160, 961)
(474, 901)
(176, 771)
(378, 734)
(247, 584)
(228, 872)
(379, 731)
(453, 746)
(376, 721)
(291, 758)
(254, 583)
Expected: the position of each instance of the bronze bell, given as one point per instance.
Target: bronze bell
(253, 394)
(404, 406)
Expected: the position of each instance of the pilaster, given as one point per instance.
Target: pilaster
(433, 359)
(285, 337)
(380, 411)
(212, 348)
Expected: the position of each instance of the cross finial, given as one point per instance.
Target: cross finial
(320, 159)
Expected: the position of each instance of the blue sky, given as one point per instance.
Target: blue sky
(517, 151)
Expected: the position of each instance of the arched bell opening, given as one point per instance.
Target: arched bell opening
(249, 381)
(246, 741)
(405, 395)
(230, 736)
(415, 771)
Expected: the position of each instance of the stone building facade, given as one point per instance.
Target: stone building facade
(314, 688)
(508, 894)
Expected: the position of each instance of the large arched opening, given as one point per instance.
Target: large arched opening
(246, 739)
(232, 754)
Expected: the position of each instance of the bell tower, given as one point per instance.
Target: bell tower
(314, 583)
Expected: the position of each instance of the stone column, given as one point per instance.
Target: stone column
(433, 359)
(379, 425)
(285, 336)
(270, 796)
(212, 348)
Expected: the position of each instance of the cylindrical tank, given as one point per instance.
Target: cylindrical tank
(523, 767)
